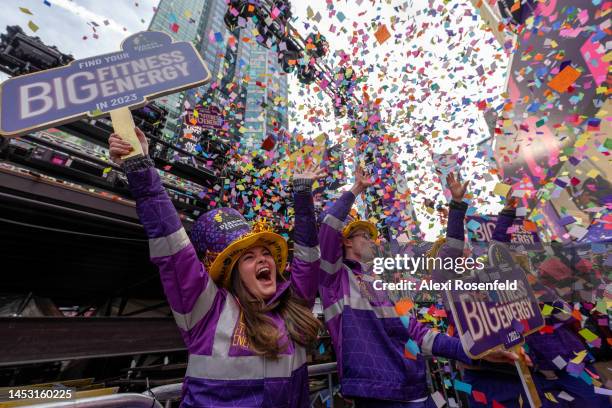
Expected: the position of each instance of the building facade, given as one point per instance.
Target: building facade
(245, 82)
(266, 98)
(182, 20)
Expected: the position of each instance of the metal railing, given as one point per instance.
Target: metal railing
(325, 369)
(172, 392)
(153, 397)
(164, 395)
(131, 400)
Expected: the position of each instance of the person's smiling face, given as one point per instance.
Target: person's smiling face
(257, 272)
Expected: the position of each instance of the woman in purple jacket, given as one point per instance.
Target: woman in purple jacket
(368, 336)
(245, 325)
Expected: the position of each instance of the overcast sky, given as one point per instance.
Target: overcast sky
(66, 23)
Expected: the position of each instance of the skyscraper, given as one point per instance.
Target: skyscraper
(245, 76)
(266, 98)
(182, 20)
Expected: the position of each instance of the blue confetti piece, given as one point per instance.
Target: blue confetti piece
(586, 378)
(405, 320)
(463, 387)
(473, 225)
(412, 347)
(533, 107)
(322, 349)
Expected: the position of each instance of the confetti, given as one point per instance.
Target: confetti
(403, 306)
(479, 397)
(438, 399)
(501, 189)
(462, 386)
(32, 26)
(564, 79)
(382, 34)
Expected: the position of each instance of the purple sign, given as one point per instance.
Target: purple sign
(496, 307)
(202, 118)
(149, 65)
(480, 229)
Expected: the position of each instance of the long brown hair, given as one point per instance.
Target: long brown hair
(261, 331)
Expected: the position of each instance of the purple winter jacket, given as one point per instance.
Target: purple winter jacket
(544, 348)
(367, 334)
(222, 370)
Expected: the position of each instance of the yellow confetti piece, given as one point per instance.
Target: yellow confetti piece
(320, 139)
(551, 397)
(593, 173)
(588, 335)
(501, 189)
(25, 10)
(579, 357)
(546, 310)
(107, 170)
(32, 26)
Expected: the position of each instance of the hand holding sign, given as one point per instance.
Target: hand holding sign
(120, 148)
(123, 125)
(508, 357)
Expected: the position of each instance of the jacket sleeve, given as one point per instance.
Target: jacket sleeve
(450, 347)
(433, 343)
(190, 292)
(455, 239)
(504, 221)
(455, 231)
(330, 239)
(306, 253)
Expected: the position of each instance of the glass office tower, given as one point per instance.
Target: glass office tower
(239, 68)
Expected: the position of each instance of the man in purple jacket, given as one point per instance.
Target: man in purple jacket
(223, 368)
(368, 336)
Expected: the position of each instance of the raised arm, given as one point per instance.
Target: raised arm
(330, 234)
(505, 219)
(306, 253)
(455, 232)
(189, 290)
